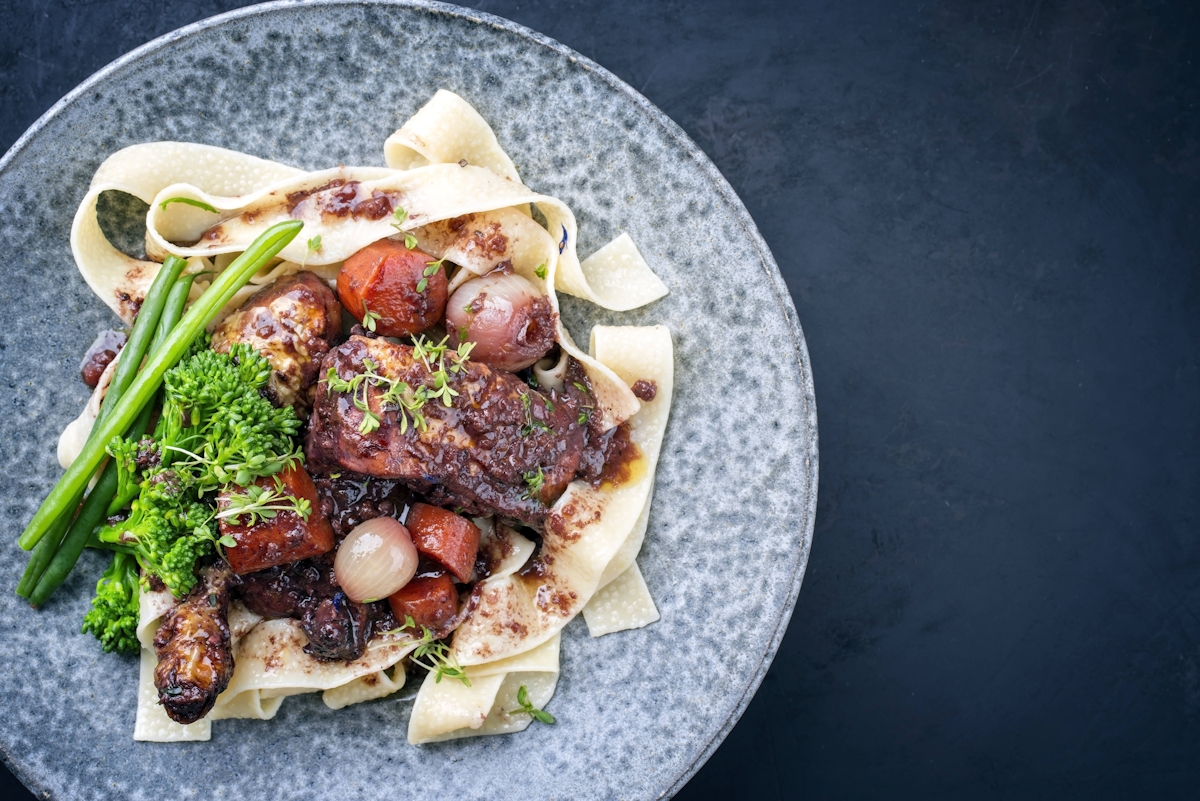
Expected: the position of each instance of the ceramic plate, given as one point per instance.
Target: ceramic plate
(322, 84)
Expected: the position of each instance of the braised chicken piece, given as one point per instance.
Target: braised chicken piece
(292, 323)
(499, 448)
(195, 657)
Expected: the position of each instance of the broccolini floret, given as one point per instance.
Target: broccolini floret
(167, 530)
(217, 427)
(114, 614)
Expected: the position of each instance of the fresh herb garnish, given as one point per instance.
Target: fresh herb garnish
(540, 271)
(397, 396)
(314, 244)
(400, 215)
(432, 355)
(262, 503)
(431, 267)
(369, 318)
(532, 423)
(534, 480)
(187, 201)
(435, 656)
(540, 715)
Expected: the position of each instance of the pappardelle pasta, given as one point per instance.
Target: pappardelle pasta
(380, 451)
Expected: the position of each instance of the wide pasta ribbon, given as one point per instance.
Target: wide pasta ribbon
(587, 525)
(121, 281)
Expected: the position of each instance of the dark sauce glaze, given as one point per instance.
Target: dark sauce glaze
(99, 355)
(350, 499)
(644, 390)
(622, 456)
(341, 198)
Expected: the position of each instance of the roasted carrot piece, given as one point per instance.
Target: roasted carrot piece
(430, 599)
(449, 539)
(286, 537)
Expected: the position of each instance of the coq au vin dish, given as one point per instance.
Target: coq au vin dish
(347, 441)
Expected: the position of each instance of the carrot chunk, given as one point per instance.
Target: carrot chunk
(449, 539)
(403, 290)
(430, 599)
(278, 540)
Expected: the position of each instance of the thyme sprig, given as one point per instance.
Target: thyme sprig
(531, 423)
(435, 655)
(534, 480)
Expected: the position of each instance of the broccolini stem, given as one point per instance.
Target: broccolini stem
(220, 292)
(95, 508)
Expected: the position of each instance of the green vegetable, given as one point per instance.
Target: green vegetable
(529, 709)
(44, 551)
(167, 530)
(114, 614)
(123, 376)
(99, 501)
(140, 391)
(187, 201)
(216, 427)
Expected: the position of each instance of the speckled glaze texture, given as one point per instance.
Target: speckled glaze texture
(322, 84)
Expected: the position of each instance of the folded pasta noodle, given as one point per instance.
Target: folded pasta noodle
(449, 190)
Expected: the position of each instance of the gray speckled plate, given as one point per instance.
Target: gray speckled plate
(733, 510)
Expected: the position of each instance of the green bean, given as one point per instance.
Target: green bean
(126, 370)
(220, 292)
(96, 507)
(44, 551)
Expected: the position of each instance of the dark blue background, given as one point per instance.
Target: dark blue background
(987, 215)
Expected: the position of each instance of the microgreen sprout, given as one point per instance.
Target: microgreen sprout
(540, 271)
(369, 318)
(397, 396)
(431, 267)
(434, 655)
(262, 503)
(400, 215)
(527, 708)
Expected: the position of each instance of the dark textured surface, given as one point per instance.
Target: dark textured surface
(986, 213)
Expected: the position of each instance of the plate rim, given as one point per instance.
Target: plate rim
(809, 450)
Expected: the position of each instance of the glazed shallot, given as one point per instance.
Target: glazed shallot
(376, 559)
(510, 322)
